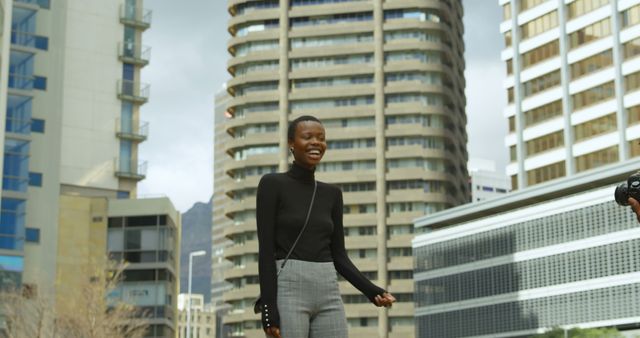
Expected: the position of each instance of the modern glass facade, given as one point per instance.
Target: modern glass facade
(149, 244)
(386, 77)
(22, 82)
(571, 261)
(571, 82)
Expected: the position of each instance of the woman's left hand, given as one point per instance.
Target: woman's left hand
(386, 300)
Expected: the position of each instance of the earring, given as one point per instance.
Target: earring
(291, 150)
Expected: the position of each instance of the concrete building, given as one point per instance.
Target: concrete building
(572, 86)
(71, 77)
(203, 317)
(560, 253)
(146, 234)
(221, 223)
(485, 181)
(386, 79)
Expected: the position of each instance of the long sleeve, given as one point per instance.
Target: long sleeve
(341, 260)
(266, 208)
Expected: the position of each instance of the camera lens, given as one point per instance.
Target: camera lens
(621, 194)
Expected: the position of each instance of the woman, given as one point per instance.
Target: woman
(304, 300)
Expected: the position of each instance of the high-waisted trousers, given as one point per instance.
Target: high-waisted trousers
(309, 301)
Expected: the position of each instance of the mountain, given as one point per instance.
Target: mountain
(196, 235)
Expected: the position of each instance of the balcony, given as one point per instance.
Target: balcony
(133, 130)
(134, 53)
(30, 40)
(133, 91)
(22, 82)
(39, 3)
(130, 169)
(135, 16)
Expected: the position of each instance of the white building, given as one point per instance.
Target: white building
(560, 253)
(485, 181)
(572, 79)
(202, 318)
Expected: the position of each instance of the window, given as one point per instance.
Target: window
(590, 33)
(16, 165)
(506, 11)
(632, 82)
(540, 54)
(595, 127)
(39, 82)
(581, 7)
(333, 40)
(32, 235)
(37, 125)
(128, 71)
(330, 19)
(592, 64)
(544, 143)
(539, 25)
(545, 173)
(417, 14)
(121, 194)
(526, 4)
(597, 159)
(541, 83)
(632, 48)
(631, 16)
(593, 95)
(543, 113)
(35, 179)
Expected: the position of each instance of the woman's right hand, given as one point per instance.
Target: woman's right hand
(273, 331)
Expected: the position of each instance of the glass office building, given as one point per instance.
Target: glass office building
(562, 254)
(386, 79)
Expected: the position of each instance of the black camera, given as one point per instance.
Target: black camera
(630, 188)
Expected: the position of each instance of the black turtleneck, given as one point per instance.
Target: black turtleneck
(281, 207)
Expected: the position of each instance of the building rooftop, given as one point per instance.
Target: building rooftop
(596, 178)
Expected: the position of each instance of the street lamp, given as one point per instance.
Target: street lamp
(191, 255)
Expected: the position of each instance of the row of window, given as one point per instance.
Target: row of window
(602, 261)
(531, 314)
(574, 9)
(578, 224)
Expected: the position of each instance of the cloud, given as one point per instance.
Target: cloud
(188, 57)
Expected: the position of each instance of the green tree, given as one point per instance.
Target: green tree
(581, 333)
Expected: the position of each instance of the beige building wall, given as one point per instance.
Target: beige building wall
(90, 103)
(386, 79)
(82, 245)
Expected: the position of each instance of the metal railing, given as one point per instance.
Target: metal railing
(134, 51)
(130, 168)
(41, 3)
(28, 39)
(18, 125)
(22, 82)
(135, 15)
(133, 90)
(134, 129)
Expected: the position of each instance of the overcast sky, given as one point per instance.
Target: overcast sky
(188, 66)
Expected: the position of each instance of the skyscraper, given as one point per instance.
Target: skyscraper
(71, 78)
(572, 86)
(386, 79)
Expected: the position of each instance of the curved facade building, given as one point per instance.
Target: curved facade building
(386, 79)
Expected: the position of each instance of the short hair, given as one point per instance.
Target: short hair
(291, 132)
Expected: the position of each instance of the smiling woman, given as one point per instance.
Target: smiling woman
(316, 252)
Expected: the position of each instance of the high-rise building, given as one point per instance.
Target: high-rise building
(572, 80)
(71, 122)
(221, 223)
(386, 79)
(558, 254)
